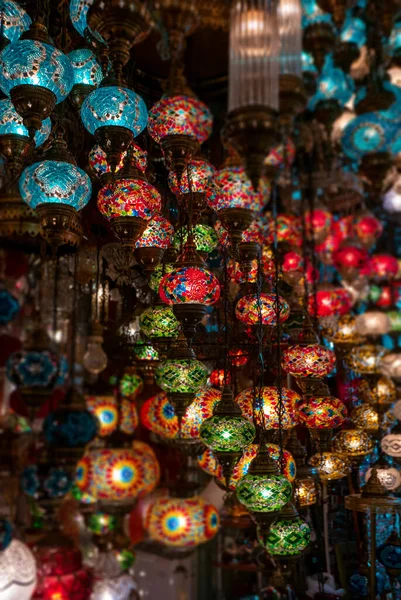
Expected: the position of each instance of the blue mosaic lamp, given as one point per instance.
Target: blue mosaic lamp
(14, 20)
(366, 134)
(15, 143)
(114, 115)
(332, 85)
(36, 76)
(78, 14)
(87, 74)
(57, 189)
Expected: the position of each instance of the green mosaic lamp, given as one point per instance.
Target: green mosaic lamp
(160, 325)
(263, 491)
(227, 433)
(289, 536)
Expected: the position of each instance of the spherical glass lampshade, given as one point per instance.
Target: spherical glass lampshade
(364, 134)
(98, 159)
(381, 391)
(305, 492)
(232, 188)
(118, 474)
(68, 428)
(158, 234)
(352, 443)
(182, 522)
(368, 229)
(350, 257)
(181, 376)
(318, 223)
(287, 228)
(322, 413)
(224, 433)
(200, 173)
(159, 322)
(366, 359)
(373, 322)
(238, 357)
(159, 416)
(129, 198)
(18, 572)
(391, 444)
(14, 20)
(390, 365)
(32, 369)
(389, 477)
(57, 182)
(250, 309)
(105, 409)
(86, 69)
(114, 106)
(264, 493)
(205, 238)
(180, 115)
(190, 285)
(382, 267)
(329, 302)
(345, 332)
(145, 352)
(131, 386)
(28, 62)
(312, 360)
(264, 405)
(365, 417)
(330, 466)
(11, 123)
(288, 537)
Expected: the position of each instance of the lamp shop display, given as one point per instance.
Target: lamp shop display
(200, 299)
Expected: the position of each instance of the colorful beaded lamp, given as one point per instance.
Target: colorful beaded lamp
(289, 535)
(312, 360)
(98, 160)
(250, 308)
(270, 407)
(367, 229)
(159, 323)
(183, 376)
(322, 413)
(182, 522)
(105, 409)
(150, 247)
(131, 385)
(205, 238)
(196, 179)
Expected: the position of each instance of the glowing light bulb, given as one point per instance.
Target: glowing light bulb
(95, 358)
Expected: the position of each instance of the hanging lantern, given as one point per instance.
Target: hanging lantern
(218, 378)
(179, 124)
(389, 477)
(330, 466)
(317, 223)
(289, 535)
(373, 323)
(87, 74)
(366, 359)
(352, 443)
(35, 75)
(192, 186)
(380, 391)
(382, 267)
(131, 385)
(322, 413)
(159, 324)
(345, 336)
(150, 247)
(312, 360)
(349, 260)
(366, 417)
(205, 239)
(329, 302)
(15, 20)
(105, 409)
(182, 522)
(367, 229)
(279, 406)
(250, 308)
(305, 492)
(98, 161)
(390, 365)
(57, 189)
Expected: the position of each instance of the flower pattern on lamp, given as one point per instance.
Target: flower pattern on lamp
(114, 106)
(205, 238)
(18, 571)
(28, 62)
(118, 474)
(98, 159)
(264, 493)
(267, 400)
(85, 66)
(180, 115)
(288, 537)
(105, 409)
(158, 234)
(158, 322)
(57, 182)
(28, 368)
(312, 360)
(12, 123)
(330, 466)
(15, 20)
(131, 386)
(249, 308)
(157, 414)
(365, 359)
(352, 443)
(129, 198)
(200, 173)
(192, 285)
(181, 376)
(182, 522)
(223, 433)
(364, 134)
(321, 413)
(232, 188)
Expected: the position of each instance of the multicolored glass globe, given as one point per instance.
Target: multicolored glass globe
(329, 302)
(252, 309)
(29, 62)
(381, 391)
(99, 164)
(345, 334)
(158, 234)
(333, 84)
(180, 115)
(115, 106)
(190, 285)
(105, 409)
(55, 182)
(312, 360)
(87, 70)
(232, 188)
(352, 443)
(145, 352)
(264, 493)
(330, 466)
(268, 407)
(322, 413)
(368, 229)
(287, 228)
(288, 536)
(305, 492)
(118, 474)
(159, 416)
(45, 481)
(182, 522)
(129, 198)
(366, 359)
(11, 123)
(131, 386)
(200, 173)
(227, 433)
(159, 322)
(382, 267)
(205, 238)
(181, 376)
